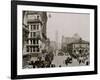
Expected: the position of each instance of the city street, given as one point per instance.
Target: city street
(60, 61)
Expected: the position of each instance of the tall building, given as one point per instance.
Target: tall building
(65, 42)
(56, 39)
(36, 39)
(53, 45)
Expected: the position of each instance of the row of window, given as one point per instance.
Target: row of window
(37, 17)
(33, 34)
(33, 49)
(34, 27)
(32, 41)
(34, 17)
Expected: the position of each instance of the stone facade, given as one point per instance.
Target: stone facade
(36, 38)
(79, 48)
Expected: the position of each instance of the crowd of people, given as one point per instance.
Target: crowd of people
(46, 60)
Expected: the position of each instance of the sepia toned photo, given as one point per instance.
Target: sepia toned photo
(55, 39)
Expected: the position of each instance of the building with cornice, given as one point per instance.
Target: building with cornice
(35, 38)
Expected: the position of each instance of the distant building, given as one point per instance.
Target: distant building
(78, 48)
(65, 42)
(53, 45)
(36, 36)
(68, 40)
(76, 36)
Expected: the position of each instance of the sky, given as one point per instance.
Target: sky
(68, 24)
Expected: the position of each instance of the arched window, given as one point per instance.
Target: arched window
(31, 27)
(33, 41)
(27, 49)
(34, 27)
(34, 34)
(37, 16)
(37, 27)
(31, 49)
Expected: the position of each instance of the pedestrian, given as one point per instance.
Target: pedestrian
(59, 65)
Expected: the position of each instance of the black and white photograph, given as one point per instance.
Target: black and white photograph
(55, 39)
